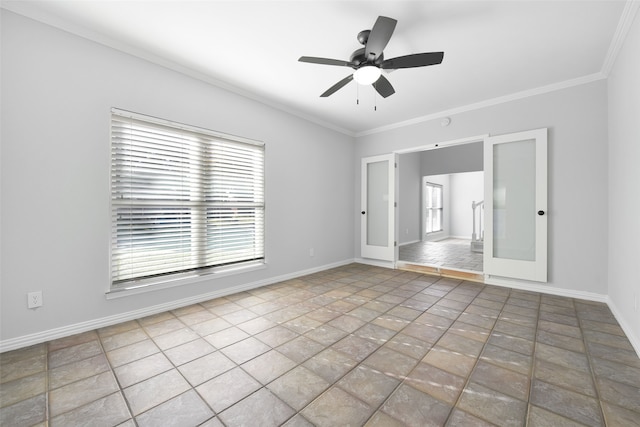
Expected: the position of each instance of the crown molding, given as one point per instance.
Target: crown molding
(30, 11)
(489, 102)
(626, 19)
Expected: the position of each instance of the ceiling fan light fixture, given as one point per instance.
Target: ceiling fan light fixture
(367, 75)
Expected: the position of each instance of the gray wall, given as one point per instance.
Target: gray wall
(57, 91)
(459, 158)
(466, 187)
(409, 198)
(624, 184)
(577, 121)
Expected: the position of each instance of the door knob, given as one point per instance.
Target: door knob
(540, 213)
(363, 212)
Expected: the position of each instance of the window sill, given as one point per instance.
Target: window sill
(135, 288)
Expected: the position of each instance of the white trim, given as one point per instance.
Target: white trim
(488, 103)
(460, 237)
(626, 19)
(589, 296)
(409, 243)
(24, 9)
(172, 281)
(184, 126)
(64, 331)
(450, 143)
(525, 285)
(635, 341)
(33, 12)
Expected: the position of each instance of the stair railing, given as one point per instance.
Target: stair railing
(479, 235)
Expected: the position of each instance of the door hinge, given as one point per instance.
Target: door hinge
(395, 243)
(395, 204)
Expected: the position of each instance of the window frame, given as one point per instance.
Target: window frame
(428, 208)
(181, 277)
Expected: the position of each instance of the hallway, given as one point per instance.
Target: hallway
(448, 253)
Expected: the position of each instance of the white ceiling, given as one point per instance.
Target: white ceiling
(492, 49)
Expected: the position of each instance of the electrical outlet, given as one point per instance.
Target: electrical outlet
(311, 252)
(34, 299)
(635, 302)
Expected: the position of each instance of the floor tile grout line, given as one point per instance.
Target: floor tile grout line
(393, 284)
(484, 345)
(120, 391)
(379, 408)
(532, 369)
(176, 368)
(533, 365)
(358, 363)
(265, 386)
(47, 411)
(112, 370)
(160, 350)
(594, 379)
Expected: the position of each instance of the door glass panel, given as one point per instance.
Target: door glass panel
(378, 203)
(514, 214)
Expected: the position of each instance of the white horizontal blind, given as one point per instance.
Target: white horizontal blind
(181, 199)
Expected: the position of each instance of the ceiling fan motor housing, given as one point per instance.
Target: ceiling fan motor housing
(363, 36)
(358, 58)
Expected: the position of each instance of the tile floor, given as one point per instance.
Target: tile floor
(355, 345)
(447, 253)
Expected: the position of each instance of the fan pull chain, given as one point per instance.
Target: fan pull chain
(357, 94)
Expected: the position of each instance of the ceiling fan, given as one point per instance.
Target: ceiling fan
(368, 62)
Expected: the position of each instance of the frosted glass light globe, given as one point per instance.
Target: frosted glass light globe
(367, 75)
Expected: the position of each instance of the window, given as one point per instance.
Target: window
(433, 205)
(184, 200)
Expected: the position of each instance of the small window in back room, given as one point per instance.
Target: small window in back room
(433, 206)
(185, 201)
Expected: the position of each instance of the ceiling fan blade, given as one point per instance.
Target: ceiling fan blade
(415, 60)
(325, 61)
(337, 86)
(379, 37)
(383, 87)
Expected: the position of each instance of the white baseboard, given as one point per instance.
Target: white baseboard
(543, 289)
(589, 296)
(51, 334)
(460, 237)
(409, 243)
(634, 340)
(64, 331)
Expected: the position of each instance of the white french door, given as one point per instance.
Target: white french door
(378, 207)
(515, 171)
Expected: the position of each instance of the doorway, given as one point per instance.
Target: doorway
(515, 187)
(437, 189)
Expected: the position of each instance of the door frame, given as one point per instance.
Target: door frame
(389, 253)
(429, 147)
